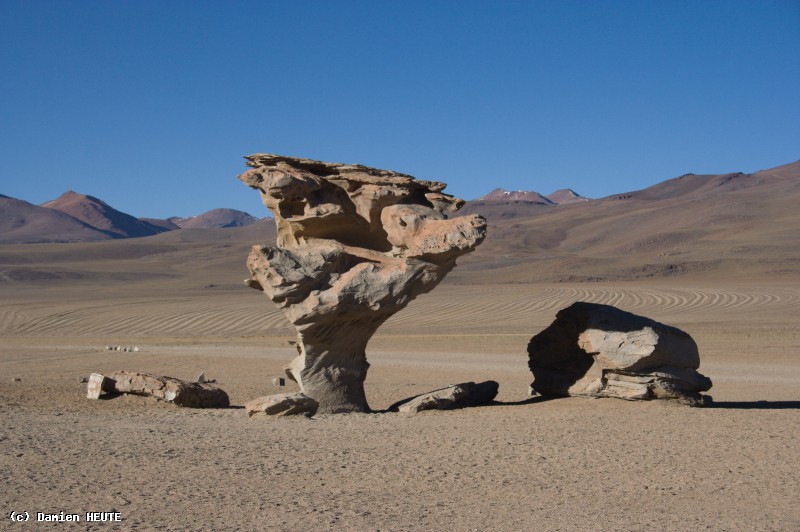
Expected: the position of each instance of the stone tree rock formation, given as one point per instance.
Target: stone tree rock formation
(355, 245)
(602, 351)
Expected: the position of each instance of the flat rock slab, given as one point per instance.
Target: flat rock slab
(170, 389)
(282, 404)
(454, 396)
(602, 351)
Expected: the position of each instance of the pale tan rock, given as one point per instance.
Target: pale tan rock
(282, 404)
(97, 385)
(170, 389)
(454, 396)
(354, 246)
(602, 351)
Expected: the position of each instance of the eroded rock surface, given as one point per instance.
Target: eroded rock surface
(170, 389)
(355, 245)
(454, 396)
(282, 404)
(602, 351)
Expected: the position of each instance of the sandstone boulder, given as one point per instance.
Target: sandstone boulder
(282, 404)
(602, 351)
(354, 246)
(170, 389)
(454, 396)
(98, 385)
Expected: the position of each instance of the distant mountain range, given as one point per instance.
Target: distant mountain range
(733, 224)
(702, 228)
(503, 204)
(688, 223)
(74, 217)
(215, 219)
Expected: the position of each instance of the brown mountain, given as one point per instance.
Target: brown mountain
(167, 225)
(565, 196)
(693, 225)
(216, 219)
(502, 204)
(22, 222)
(98, 214)
(705, 228)
(500, 194)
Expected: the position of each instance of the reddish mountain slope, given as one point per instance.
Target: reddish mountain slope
(22, 222)
(216, 219)
(500, 194)
(100, 215)
(732, 224)
(565, 196)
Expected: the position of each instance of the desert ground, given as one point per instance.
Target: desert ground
(520, 463)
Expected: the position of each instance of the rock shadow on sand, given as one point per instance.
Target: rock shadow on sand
(756, 405)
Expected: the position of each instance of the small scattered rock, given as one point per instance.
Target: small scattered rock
(123, 348)
(83, 380)
(285, 404)
(17, 379)
(202, 377)
(279, 381)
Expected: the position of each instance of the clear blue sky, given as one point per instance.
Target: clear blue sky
(150, 105)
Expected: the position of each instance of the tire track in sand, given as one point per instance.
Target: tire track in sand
(451, 309)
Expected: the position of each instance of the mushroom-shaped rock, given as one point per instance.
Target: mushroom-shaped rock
(602, 351)
(355, 245)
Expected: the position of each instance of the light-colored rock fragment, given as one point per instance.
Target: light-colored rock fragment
(201, 378)
(279, 381)
(180, 392)
(97, 385)
(354, 246)
(454, 396)
(602, 351)
(284, 404)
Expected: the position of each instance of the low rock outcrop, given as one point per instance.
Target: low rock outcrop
(602, 351)
(355, 245)
(282, 404)
(170, 389)
(454, 396)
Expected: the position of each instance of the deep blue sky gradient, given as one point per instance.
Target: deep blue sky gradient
(150, 105)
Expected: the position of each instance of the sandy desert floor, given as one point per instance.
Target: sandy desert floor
(518, 464)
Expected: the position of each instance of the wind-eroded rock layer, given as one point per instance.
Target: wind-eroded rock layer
(602, 351)
(355, 245)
